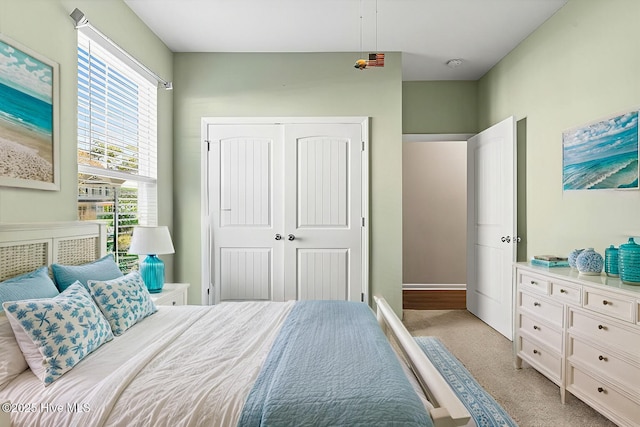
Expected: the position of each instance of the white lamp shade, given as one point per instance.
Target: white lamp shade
(151, 240)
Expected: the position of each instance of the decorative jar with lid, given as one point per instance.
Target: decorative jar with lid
(611, 261)
(629, 262)
(589, 262)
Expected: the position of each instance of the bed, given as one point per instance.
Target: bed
(238, 363)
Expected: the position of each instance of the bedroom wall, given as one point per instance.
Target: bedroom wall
(440, 106)
(280, 85)
(45, 27)
(583, 64)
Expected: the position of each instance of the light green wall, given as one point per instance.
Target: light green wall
(281, 85)
(45, 27)
(583, 64)
(440, 107)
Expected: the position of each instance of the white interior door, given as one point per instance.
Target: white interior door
(491, 230)
(287, 207)
(246, 173)
(323, 211)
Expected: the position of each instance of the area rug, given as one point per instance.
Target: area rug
(481, 405)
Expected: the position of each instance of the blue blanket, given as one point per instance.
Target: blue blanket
(331, 365)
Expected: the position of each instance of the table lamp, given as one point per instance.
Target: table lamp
(151, 241)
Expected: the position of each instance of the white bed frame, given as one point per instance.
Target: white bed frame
(448, 410)
(26, 247)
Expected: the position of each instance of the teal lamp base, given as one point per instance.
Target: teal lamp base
(152, 272)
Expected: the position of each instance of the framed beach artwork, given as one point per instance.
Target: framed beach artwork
(28, 118)
(602, 155)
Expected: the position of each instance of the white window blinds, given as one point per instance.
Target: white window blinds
(117, 116)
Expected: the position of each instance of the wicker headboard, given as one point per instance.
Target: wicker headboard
(25, 247)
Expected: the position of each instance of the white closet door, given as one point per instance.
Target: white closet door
(323, 211)
(246, 176)
(286, 204)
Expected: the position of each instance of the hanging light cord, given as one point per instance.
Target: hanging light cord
(376, 26)
(361, 51)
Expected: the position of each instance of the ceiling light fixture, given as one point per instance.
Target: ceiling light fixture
(454, 63)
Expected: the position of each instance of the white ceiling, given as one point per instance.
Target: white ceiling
(427, 32)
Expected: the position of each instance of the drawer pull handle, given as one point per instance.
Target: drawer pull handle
(536, 304)
(603, 358)
(536, 352)
(605, 302)
(536, 327)
(601, 390)
(562, 291)
(602, 327)
(533, 282)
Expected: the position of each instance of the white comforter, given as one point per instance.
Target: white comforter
(188, 366)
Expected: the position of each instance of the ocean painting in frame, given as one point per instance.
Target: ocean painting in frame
(602, 155)
(28, 118)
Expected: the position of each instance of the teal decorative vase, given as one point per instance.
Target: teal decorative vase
(629, 262)
(611, 261)
(589, 262)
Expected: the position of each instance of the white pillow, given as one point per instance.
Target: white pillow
(123, 301)
(12, 362)
(55, 334)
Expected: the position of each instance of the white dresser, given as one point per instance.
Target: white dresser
(583, 333)
(172, 294)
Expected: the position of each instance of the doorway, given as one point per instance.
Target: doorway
(434, 221)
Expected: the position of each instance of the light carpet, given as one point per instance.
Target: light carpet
(529, 397)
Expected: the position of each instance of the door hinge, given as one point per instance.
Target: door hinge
(363, 221)
(208, 144)
(362, 145)
(362, 297)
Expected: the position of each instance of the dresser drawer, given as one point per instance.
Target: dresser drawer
(608, 366)
(612, 305)
(606, 399)
(616, 335)
(551, 337)
(542, 308)
(566, 292)
(541, 358)
(534, 282)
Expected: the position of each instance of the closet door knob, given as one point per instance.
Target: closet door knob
(278, 236)
(291, 237)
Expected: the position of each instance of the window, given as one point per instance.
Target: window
(117, 146)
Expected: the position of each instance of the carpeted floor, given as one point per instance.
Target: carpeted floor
(529, 397)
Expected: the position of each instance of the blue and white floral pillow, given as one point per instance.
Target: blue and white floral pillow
(123, 301)
(55, 334)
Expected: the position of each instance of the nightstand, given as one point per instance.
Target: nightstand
(172, 294)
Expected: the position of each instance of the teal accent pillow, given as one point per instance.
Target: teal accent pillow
(103, 269)
(123, 301)
(36, 284)
(55, 334)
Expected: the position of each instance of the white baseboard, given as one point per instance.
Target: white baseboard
(434, 287)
